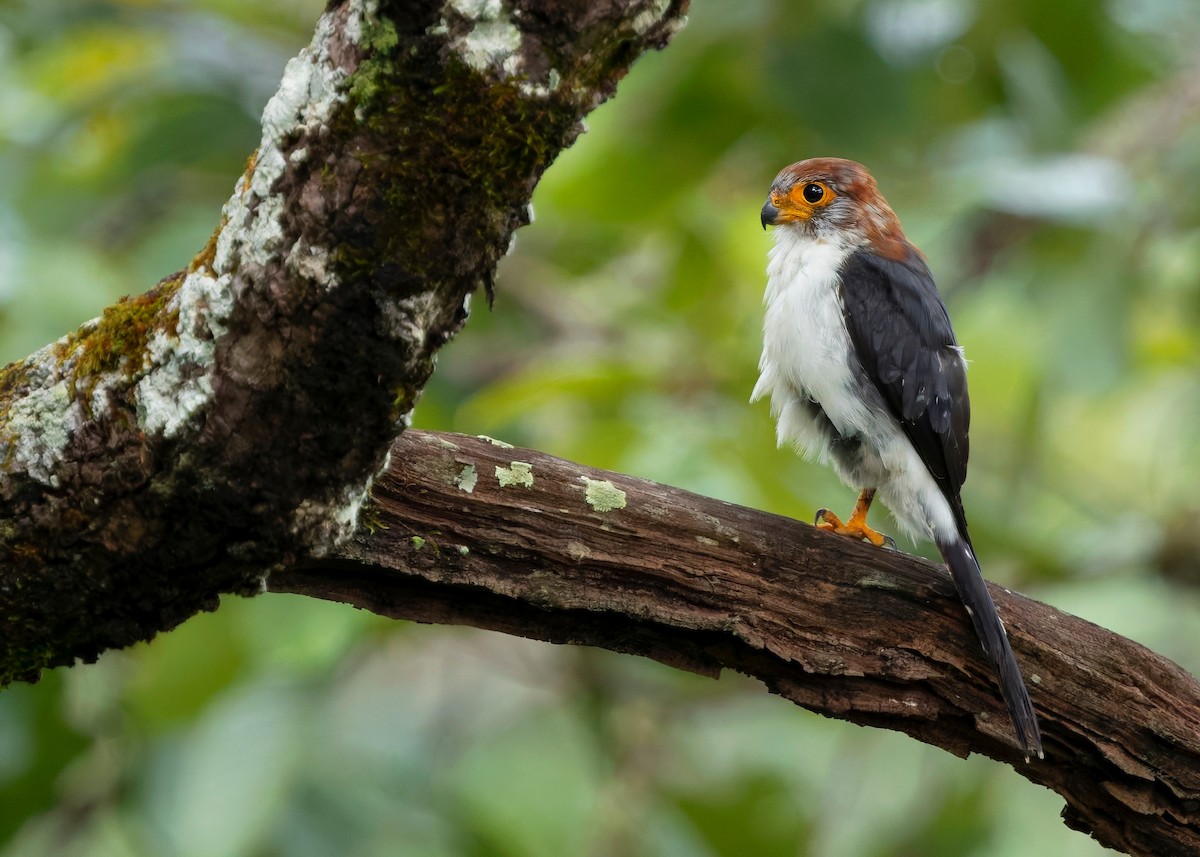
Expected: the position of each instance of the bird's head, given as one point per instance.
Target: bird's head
(834, 200)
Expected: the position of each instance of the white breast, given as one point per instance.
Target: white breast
(806, 347)
(807, 356)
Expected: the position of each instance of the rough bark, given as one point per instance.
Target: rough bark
(465, 531)
(195, 437)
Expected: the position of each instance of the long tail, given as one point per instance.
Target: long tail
(968, 579)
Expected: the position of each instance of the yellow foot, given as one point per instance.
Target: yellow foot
(856, 527)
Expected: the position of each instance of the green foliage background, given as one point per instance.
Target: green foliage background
(1046, 156)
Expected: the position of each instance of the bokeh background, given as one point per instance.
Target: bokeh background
(1046, 156)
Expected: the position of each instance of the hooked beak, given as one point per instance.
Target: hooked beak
(769, 213)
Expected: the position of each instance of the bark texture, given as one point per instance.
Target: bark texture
(465, 531)
(196, 436)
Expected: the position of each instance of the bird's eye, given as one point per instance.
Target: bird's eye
(813, 193)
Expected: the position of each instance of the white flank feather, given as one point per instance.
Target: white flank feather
(808, 355)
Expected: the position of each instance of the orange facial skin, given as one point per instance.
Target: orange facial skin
(846, 194)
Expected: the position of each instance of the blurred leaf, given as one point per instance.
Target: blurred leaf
(959, 828)
(220, 793)
(752, 815)
(521, 800)
(47, 746)
(91, 60)
(180, 673)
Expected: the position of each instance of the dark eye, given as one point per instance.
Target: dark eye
(813, 193)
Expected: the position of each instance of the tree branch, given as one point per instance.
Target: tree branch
(194, 437)
(467, 531)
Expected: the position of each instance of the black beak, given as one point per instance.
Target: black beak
(769, 213)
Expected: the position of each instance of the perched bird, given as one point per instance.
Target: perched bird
(864, 372)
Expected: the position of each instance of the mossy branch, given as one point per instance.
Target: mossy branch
(194, 438)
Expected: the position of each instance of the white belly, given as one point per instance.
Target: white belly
(807, 356)
(806, 347)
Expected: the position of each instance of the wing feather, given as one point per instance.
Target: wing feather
(903, 339)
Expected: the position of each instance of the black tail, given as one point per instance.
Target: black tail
(964, 568)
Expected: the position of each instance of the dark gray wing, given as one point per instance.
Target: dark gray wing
(903, 340)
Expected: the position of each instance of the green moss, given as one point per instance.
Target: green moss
(204, 259)
(403, 402)
(248, 169)
(121, 334)
(370, 518)
(447, 161)
(379, 40)
(460, 147)
(13, 378)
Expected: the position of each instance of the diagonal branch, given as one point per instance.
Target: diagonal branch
(468, 531)
(196, 436)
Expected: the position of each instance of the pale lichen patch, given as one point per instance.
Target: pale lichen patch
(323, 524)
(168, 398)
(602, 495)
(409, 319)
(494, 442)
(719, 526)
(178, 383)
(311, 263)
(354, 23)
(578, 551)
(877, 581)
(467, 478)
(39, 428)
(312, 88)
(98, 400)
(493, 38)
(518, 474)
(439, 441)
(705, 540)
(477, 9)
(651, 15)
(493, 44)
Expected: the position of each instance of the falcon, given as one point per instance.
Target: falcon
(864, 373)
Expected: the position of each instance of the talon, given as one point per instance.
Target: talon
(826, 520)
(856, 527)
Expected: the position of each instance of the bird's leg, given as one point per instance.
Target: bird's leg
(856, 527)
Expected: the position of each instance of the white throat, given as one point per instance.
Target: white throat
(800, 261)
(806, 347)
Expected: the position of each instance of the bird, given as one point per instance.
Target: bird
(864, 373)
